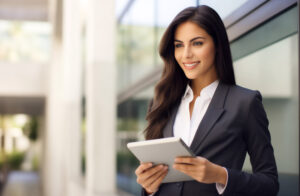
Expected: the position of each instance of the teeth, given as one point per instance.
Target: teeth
(190, 65)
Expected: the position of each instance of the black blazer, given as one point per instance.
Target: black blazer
(235, 123)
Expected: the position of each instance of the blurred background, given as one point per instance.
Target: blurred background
(77, 75)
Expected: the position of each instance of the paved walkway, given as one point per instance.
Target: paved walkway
(21, 183)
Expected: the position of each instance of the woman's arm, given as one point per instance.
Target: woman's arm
(264, 179)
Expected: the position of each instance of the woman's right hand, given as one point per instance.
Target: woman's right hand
(150, 177)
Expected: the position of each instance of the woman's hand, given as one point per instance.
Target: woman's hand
(150, 177)
(201, 169)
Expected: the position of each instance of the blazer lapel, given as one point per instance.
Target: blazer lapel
(213, 113)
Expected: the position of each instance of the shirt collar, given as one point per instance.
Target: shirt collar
(208, 90)
(188, 91)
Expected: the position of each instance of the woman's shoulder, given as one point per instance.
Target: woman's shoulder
(243, 93)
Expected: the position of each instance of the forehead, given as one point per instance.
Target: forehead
(188, 30)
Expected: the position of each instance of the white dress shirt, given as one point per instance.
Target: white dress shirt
(186, 126)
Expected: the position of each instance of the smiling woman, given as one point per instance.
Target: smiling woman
(198, 100)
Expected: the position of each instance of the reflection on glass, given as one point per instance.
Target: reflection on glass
(120, 6)
(167, 10)
(141, 13)
(224, 8)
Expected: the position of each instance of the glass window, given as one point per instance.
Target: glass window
(135, 43)
(167, 10)
(130, 125)
(120, 6)
(141, 13)
(224, 8)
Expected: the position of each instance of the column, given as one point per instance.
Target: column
(101, 98)
(63, 110)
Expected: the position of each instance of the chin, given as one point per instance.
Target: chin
(190, 76)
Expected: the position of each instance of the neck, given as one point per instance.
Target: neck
(198, 84)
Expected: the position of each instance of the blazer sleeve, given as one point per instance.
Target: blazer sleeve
(143, 192)
(264, 178)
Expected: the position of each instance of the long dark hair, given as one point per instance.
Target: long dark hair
(170, 88)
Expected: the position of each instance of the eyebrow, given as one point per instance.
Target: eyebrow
(199, 37)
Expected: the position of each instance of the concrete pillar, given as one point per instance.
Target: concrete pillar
(101, 98)
(63, 109)
(73, 72)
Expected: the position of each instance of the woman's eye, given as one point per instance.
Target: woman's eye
(198, 43)
(178, 45)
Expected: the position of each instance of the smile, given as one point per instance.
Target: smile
(190, 66)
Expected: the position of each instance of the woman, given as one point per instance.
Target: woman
(197, 99)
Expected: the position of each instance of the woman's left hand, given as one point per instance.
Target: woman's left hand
(201, 169)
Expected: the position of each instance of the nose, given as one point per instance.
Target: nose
(187, 53)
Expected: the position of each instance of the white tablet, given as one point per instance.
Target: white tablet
(163, 151)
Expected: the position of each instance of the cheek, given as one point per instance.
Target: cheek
(177, 56)
(208, 54)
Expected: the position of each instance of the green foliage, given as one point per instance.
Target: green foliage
(1, 162)
(14, 160)
(31, 129)
(35, 163)
(126, 162)
(137, 45)
(127, 124)
(83, 164)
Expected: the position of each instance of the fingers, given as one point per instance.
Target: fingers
(142, 168)
(147, 175)
(189, 165)
(186, 168)
(191, 160)
(200, 169)
(155, 180)
(150, 173)
(186, 160)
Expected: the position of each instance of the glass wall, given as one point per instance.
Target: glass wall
(224, 8)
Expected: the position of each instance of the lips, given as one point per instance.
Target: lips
(190, 65)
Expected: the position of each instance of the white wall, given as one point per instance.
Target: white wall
(24, 79)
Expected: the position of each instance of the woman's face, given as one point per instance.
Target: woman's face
(195, 52)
